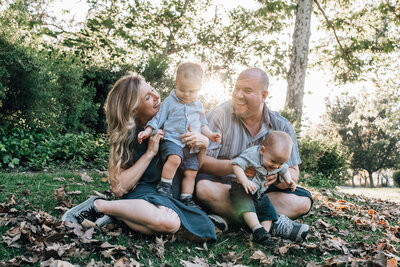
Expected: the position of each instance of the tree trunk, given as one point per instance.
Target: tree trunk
(371, 179)
(299, 59)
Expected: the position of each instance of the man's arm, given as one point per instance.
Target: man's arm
(217, 167)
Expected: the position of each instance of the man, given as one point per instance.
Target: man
(244, 122)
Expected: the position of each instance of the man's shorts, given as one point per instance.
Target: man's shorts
(189, 160)
(272, 188)
(242, 202)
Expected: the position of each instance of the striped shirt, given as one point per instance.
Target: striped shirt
(236, 137)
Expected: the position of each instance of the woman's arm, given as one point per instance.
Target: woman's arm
(130, 177)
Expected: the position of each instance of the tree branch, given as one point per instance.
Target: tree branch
(346, 57)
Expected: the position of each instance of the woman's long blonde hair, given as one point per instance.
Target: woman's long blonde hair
(120, 105)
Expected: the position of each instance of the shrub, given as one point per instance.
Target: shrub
(324, 164)
(396, 178)
(41, 86)
(46, 150)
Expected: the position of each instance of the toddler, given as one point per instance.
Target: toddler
(179, 110)
(249, 200)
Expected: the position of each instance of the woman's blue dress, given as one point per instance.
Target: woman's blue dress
(193, 220)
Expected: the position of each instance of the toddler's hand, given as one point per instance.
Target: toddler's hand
(249, 186)
(142, 136)
(216, 137)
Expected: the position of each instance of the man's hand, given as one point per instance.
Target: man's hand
(271, 179)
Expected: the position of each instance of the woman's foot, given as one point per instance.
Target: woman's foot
(85, 210)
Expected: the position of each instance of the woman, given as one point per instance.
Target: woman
(135, 169)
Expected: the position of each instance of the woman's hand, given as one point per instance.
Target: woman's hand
(194, 139)
(154, 143)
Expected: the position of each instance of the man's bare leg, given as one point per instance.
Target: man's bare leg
(290, 205)
(215, 196)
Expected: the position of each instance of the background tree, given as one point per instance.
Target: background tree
(368, 127)
(299, 59)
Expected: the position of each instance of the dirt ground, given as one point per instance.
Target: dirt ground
(384, 193)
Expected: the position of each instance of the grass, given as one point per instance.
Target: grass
(34, 191)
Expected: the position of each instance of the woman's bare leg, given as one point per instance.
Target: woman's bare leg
(140, 215)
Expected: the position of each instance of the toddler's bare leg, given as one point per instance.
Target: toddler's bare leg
(188, 181)
(251, 219)
(266, 225)
(170, 167)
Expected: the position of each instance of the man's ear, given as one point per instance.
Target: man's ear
(264, 94)
(262, 149)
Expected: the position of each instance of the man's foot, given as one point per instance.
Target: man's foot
(286, 228)
(262, 237)
(85, 210)
(165, 189)
(189, 202)
(219, 222)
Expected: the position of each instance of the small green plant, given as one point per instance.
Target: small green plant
(396, 178)
(23, 149)
(324, 164)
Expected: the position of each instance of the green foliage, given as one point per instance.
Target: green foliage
(396, 178)
(21, 149)
(323, 164)
(368, 127)
(369, 37)
(41, 87)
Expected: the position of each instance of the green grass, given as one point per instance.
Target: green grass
(34, 191)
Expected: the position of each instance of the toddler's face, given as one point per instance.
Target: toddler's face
(187, 91)
(273, 160)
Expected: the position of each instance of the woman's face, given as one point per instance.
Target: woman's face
(149, 103)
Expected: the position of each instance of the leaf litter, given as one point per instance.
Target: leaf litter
(340, 235)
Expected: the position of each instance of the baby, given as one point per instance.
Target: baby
(267, 159)
(179, 110)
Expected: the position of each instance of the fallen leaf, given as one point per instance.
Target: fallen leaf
(391, 263)
(60, 179)
(86, 177)
(59, 194)
(283, 250)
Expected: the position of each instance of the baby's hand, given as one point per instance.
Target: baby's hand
(249, 186)
(216, 137)
(142, 136)
(292, 185)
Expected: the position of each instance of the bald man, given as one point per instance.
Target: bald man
(244, 122)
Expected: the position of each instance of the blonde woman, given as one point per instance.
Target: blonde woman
(135, 169)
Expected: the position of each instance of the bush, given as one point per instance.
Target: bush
(396, 178)
(41, 86)
(324, 164)
(29, 150)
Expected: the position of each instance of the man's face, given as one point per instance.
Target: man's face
(248, 97)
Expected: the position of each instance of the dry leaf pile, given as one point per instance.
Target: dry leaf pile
(341, 233)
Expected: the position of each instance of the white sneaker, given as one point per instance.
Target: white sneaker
(219, 222)
(288, 229)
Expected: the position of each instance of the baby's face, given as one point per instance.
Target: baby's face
(187, 91)
(273, 160)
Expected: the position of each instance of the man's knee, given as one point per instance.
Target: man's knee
(210, 191)
(304, 206)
